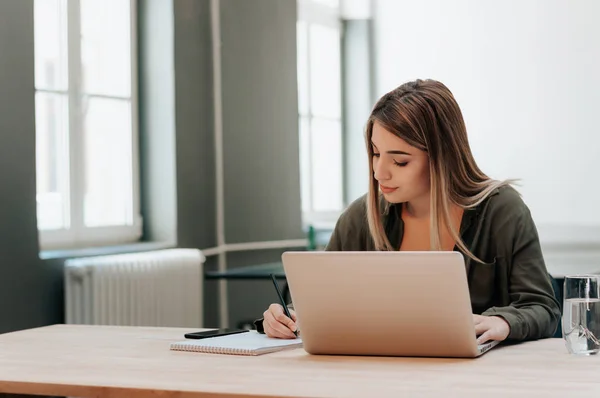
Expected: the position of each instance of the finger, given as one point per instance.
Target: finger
(478, 319)
(484, 338)
(268, 321)
(282, 318)
(276, 328)
(279, 330)
(276, 315)
(268, 327)
(295, 319)
(297, 325)
(481, 328)
(275, 309)
(273, 333)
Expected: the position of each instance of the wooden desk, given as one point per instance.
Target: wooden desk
(92, 361)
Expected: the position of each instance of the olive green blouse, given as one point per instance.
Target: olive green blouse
(512, 283)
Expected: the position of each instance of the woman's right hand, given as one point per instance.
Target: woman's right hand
(277, 324)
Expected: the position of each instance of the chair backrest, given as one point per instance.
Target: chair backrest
(558, 293)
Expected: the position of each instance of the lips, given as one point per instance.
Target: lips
(385, 189)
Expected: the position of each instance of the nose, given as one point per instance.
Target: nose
(380, 170)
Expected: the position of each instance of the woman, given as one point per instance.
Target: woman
(427, 193)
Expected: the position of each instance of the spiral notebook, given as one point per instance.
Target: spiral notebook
(249, 343)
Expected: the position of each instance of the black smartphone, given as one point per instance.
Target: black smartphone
(213, 333)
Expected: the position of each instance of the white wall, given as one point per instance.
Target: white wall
(526, 74)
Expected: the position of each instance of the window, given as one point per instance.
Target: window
(320, 109)
(86, 123)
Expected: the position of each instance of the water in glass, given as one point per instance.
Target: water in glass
(581, 315)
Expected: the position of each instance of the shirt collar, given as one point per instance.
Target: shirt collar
(394, 226)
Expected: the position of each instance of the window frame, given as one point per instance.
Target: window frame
(314, 13)
(77, 235)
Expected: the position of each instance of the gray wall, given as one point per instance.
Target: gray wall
(30, 289)
(260, 140)
(194, 124)
(260, 132)
(260, 120)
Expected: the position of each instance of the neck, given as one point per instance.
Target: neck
(418, 208)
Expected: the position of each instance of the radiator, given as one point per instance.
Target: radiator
(156, 288)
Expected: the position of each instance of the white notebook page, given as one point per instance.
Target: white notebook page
(250, 342)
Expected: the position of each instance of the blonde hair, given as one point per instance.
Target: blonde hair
(425, 114)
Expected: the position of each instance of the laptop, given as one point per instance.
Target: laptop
(412, 304)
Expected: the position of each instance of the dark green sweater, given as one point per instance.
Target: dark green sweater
(513, 283)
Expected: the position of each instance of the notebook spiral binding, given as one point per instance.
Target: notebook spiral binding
(211, 350)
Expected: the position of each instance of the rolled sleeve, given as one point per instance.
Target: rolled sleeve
(533, 312)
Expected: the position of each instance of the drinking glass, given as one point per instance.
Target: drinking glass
(581, 314)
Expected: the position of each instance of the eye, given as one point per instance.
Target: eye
(375, 155)
(400, 164)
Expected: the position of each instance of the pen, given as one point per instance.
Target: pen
(282, 300)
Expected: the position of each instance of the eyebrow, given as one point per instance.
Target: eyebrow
(398, 153)
(394, 152)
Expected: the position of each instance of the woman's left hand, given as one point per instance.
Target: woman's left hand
(490, 328)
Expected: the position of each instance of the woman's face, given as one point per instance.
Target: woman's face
(401, 170)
